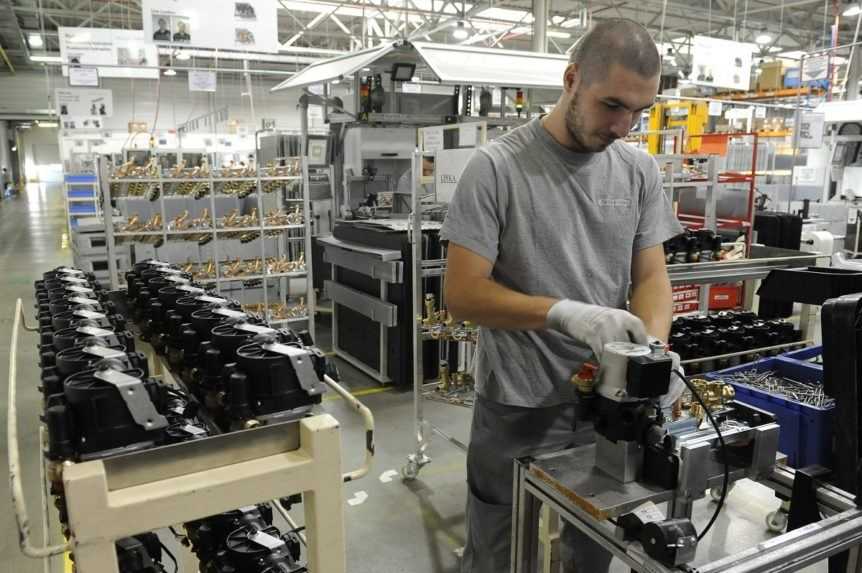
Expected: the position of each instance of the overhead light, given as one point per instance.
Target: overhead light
(35, 41)
(763, 39)
(182, 56)
(335, 82)
(460, 32)
(366, 69)
(47, 124)
(47, 59)
(853, 10)
(14, 148)
(170, 72)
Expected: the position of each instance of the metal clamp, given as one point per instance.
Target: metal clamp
(81, 290)
(94, 331)
(229, 313)
(191, 289)
(84, 313)
(103, 352)
(255, 328)
(302, 365)
(211, 299)
(74, 279)
(176, 279)
(84, 301)
(69, 271)
(135, 396)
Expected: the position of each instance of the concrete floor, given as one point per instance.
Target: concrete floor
(401, 527)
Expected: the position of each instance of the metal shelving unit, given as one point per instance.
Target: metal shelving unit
(286, 243)
(81, 196)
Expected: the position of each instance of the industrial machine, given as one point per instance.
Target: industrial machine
(641, 458)
(691, 116)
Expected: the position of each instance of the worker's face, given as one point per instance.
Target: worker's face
(606, 109)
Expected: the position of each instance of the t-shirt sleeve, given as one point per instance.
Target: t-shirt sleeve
(474, 220)
(657, 222)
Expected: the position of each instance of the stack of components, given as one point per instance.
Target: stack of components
(702, 336)
(693, 247)
(243, 371)
(453, 387)
(100, 402)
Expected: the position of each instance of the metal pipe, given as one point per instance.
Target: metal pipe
(540, 26)
(5, 57)
(368, 420)
(21, 516)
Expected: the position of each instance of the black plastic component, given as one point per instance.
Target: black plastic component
(667, 541)
(139, 554)
(100, 416)
(273, 382)
(648, 376)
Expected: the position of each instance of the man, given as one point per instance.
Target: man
(549, 227)
(182, 34)
(162, 34)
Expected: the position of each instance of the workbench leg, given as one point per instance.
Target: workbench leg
(525, 526)
(549, 536)
(324, 513)
(98, 557)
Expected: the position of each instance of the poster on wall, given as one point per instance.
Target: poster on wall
(83, 103)
(721, 63)
(228, 24)
(811, 130)
(84, 77)
(105, 48)
(202, 81)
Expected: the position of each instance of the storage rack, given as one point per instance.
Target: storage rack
(423, 269)
(284, 247)
(81, 195)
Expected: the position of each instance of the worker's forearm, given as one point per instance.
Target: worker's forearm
(652, 302)
(488, 303)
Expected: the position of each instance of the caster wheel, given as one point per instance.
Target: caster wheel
(776, 521)
(410, 471)
(715, 492)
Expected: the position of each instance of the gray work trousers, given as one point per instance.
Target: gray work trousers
(499, 434)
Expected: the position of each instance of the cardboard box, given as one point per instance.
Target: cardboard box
(771, 76)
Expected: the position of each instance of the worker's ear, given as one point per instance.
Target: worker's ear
(571, 78)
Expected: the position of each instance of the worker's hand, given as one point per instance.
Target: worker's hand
(595, 325)
(674, 389)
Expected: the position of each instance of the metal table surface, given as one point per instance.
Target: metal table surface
(584, 497)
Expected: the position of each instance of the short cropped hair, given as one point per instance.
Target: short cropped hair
(615, 41)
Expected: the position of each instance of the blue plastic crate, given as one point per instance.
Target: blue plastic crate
(82, 209)
(80, 178)
(806, 431)
(805, 355)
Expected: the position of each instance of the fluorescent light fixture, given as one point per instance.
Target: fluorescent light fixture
(763, 39)
(366, 69)
(460, 32)
(47, 124)
(46, 59)
(335, 82)
(14, 148)
(170, 72)
(35, 41)
(183, 56)
(507, 15)
(853, 10)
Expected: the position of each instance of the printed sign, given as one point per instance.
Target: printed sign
(94, 47)
(83, 103)
(811, 130)
(721, 63)
(202, 81)
(234, 25)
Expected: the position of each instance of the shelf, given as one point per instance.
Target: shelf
(288, 320)
(81, 199)
(763, 260)
(246, 278)
(202, 179)
(207, 231)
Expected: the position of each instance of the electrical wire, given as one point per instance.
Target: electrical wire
(171, 555)
(725, 486)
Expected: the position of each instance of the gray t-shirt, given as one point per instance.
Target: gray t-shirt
(554, 223)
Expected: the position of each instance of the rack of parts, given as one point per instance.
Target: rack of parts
(243, 230)
(458, 342)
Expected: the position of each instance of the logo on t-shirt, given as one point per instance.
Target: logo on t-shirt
(620, 203)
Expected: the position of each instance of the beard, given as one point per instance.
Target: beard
(575, 125)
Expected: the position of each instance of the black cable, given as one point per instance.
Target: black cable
(171, 555)
(726, 483)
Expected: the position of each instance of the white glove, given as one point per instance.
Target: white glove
(674, 389)
(595, 325)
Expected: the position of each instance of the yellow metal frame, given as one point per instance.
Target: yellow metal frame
(690, 116)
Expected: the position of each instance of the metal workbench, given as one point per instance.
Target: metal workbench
(570, 485)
